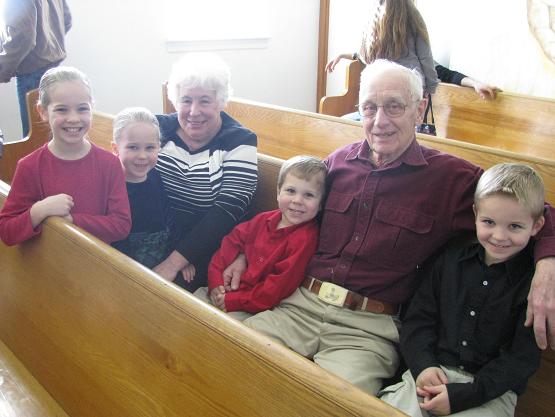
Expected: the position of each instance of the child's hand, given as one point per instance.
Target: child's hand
(436, 399)
(431, 376)
(232, 274)
(189, 272)
(68, 218)
(217, 296)
(54, 205)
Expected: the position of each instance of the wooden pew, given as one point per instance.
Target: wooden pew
(284, 132)
(514, 122)
(107, 337)
(288, 132)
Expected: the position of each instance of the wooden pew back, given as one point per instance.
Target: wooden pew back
(514, 122)
(107, 337)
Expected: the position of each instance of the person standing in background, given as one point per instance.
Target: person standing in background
(32, 40)
(397, 33)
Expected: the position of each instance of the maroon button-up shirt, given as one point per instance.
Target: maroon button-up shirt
(380, 224)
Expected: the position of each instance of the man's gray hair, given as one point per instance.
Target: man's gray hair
(383, 66)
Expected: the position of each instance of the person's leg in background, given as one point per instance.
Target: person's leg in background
(24, 84)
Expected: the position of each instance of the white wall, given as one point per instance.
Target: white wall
(488, 40)
(121, 47)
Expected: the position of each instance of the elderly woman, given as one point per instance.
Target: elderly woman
(207, 163)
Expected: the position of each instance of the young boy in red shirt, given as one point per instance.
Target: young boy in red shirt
(276, 245)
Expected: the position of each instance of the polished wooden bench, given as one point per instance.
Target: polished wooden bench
(284, 132)
(518, 123)
(107, 337)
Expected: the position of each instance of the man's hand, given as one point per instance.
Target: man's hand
(217, 296)
(541, 303)
(170, 266)
(431, 376)
(436, 399)
(232, 274)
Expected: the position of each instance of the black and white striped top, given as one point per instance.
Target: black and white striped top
(209, 189)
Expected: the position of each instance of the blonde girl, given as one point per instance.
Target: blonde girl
(68, 177)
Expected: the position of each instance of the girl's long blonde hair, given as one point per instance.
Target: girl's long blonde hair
(394, 22)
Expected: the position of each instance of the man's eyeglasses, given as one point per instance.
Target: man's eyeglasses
(391, 109)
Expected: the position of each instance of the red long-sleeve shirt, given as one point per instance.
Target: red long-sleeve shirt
(96, 182)
(276, 261)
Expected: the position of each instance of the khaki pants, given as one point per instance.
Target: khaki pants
(403, 396)
(202, 294)
(358, 346)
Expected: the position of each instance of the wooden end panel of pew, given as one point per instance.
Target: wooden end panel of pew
(107, 337)
(20, 393)
(39, 134)
(346, 102)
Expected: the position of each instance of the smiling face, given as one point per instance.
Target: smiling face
(299, 200)
(198, 111)
(504, 227)
(68, 113)
(390, 136)
(137, 150)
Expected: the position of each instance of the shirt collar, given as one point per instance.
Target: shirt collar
(515, 268)
(412, 156)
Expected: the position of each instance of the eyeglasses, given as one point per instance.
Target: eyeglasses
(391, 109)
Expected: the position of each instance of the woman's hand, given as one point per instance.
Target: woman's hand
(188, 272)
(170, 266)
(331, 65)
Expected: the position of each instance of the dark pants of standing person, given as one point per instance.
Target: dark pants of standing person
(25, 83)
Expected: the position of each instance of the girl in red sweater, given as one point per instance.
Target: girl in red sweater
(68, 177)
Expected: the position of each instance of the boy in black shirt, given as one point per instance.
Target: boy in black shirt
(463, 337)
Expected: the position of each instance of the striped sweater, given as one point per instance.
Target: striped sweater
(209, 189)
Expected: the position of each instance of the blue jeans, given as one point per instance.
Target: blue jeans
(25, 83)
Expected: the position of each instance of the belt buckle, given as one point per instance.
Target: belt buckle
(332, 294)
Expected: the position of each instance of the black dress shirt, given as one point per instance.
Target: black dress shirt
(471, 316)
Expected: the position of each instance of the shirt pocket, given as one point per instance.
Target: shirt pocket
(399, 237)
(338, 225)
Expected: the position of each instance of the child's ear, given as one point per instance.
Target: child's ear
(474, 209)
(538, 224)
(115, 149)
(43, 112)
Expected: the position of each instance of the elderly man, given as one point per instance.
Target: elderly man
(391, 204)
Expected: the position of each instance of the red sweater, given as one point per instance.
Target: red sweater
(96, 182)
(276, 261)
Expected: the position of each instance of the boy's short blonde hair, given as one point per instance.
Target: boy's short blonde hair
(304, 167)
(518, 181)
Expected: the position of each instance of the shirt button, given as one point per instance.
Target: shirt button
(342, 266)
(260, 259)
(365, 205)
(461, 368)
(357, 238)
(485, 283)
(464, 343)
(472, 313)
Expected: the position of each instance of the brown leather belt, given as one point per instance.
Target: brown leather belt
(341, 297)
